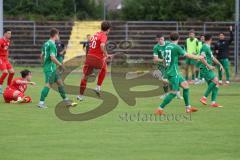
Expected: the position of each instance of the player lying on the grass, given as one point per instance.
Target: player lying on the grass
(14, 93)
(208, 74)
(171, 55)
(158, 51)
(50, 63)
(96, 59)
(5, 66)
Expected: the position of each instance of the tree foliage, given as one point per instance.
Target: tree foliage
(52, 9)
(166, 10)
(178, 10)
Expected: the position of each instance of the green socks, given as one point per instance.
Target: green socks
(186, 96)
(167, 99)
(165, 88)
(214, 94)
(211, 85)
(197, 74)
(62, 92)
(44, 93)
(193, 77)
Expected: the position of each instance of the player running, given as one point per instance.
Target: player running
(96, 59)
(208, 74)
(5, 66)
(14, 93)
(50, 63)
(171, 56)
(158, 51)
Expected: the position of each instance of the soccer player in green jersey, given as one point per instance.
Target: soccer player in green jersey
(199, 78)
(50, 64)
(208, 74)
(171, 55)
(158, 51)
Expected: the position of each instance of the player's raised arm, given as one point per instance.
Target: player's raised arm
(231, 35)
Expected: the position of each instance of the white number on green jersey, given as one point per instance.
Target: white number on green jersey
(168, 57)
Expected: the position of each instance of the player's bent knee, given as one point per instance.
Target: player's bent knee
(184, 85)
(5, 71)
(27, 99)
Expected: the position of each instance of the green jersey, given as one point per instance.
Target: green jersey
(158, 50)
(60, 58)
(200, 45)
(171, 55)
(49, 49)
(207, 53)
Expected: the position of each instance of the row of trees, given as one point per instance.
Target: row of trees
(52, 9)
(179, 10)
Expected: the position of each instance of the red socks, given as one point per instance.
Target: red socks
(101, 76)
(2, 78)
(83, 86)
(10, 77)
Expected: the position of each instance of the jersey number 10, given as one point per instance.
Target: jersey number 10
(93, 42)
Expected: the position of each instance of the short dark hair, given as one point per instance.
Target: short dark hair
(208, 37)
(221, 33)
(25, 73)
(159, 35)
(6, 30)
(53, 32)
(192, 31)
(174, 36)
(105, 25)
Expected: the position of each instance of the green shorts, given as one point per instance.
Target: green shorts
(52, 77)
(197, 64)
(175, 81)
(189, 61)
(207, 74)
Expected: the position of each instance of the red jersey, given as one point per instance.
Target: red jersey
(95, 42)
(16, 86)
(4, 45)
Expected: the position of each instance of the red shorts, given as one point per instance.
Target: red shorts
(8, 95)
(93, 63)
(5, 64)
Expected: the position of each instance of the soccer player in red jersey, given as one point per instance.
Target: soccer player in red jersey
(96, 59)
(14, 93)
(5, 66)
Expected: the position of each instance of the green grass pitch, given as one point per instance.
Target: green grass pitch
(29, 133)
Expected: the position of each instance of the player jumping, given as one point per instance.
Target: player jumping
(171, 56)
(50, 63)
(208, 74)
(96, 59)
(5, 66)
